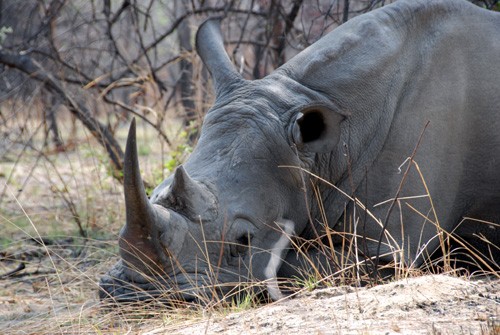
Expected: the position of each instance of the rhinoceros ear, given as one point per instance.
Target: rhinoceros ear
(316, 128)
(210, 47)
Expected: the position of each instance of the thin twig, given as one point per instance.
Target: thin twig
(10, 273)
(395, 199)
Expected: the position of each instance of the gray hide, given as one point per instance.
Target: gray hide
(350, 109)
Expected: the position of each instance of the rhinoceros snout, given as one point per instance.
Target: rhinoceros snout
(121, 285)
(118, 287)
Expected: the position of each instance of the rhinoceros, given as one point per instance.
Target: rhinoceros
(386, 130)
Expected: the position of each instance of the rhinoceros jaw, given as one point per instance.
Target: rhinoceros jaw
(276, 259)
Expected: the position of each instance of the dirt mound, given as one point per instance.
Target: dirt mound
(436, 304)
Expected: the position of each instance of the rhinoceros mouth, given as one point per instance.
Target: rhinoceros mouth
(118, 287)
(120, 290)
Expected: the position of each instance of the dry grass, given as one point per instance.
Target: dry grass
(49, 201)
(50, 198)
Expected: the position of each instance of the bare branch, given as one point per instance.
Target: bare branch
(27, 65)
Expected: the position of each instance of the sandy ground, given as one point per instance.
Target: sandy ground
(436, 304)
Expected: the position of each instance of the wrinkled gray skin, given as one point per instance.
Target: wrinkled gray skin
(350, 109)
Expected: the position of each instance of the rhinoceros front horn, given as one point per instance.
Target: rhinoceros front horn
(139, 239)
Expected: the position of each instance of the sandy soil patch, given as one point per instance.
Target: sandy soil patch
(436, 304)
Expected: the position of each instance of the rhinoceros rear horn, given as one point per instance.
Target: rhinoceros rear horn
(210, 47)
(138, 243)
(190, 197)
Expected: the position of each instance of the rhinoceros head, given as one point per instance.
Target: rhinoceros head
(228, 214)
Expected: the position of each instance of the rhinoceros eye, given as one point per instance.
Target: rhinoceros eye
(241, 245)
